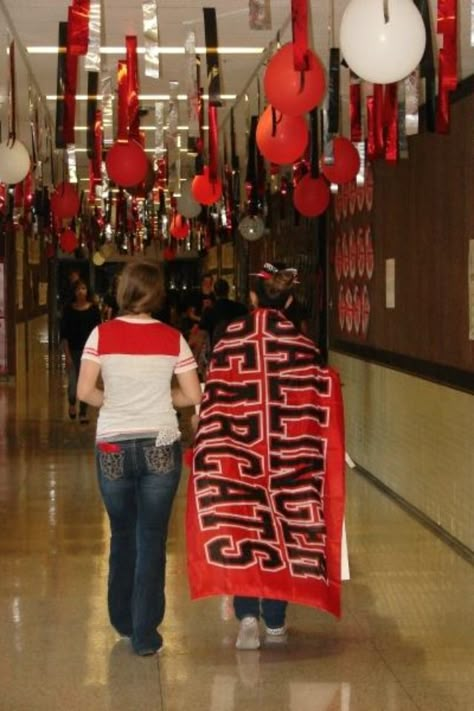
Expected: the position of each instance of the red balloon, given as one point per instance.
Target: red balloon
(126, 163)
(65, 201)
(203, 190)
(179, 228)
(346, 162)
(290, 139)
(290, 90)
(311, 196)
(68, 241)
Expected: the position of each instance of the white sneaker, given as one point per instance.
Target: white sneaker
(276, 635)
(248, 637)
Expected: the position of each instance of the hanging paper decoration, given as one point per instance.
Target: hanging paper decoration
(411, 104)
(61, 85)
(289, 90)
(71, 163)
(92, 87)
(382, 47)
(212, 56)
(402, 135)
(213, 142)
(78, 27)
(447, 67)
(355, 112)
(151, 37)
(192, 86)
(427, 67)
(260, 15)
(172, 138)
(281, 138)
(390, 121)
(333, 100)
(92, 62)
(159, 129)
(375, 139)
(132, 87)
(107, 106)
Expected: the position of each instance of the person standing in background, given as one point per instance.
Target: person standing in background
(225, 310)
(138, 449)
(79, 318)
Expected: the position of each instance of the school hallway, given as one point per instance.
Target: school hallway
(405, 641)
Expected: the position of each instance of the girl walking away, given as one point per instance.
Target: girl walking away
(138, 449)
(78, 319)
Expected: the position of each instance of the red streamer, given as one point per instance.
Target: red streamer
(78, 27)
(391, 122)
(299, 20)
(132, 88)
(97, 160)
(122, 102)
(213, 143)
(448, 80)
(355, 112)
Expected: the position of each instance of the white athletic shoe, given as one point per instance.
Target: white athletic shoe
(248, 637)
(276, 635)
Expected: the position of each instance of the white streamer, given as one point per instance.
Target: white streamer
(192, 88)
(151, 39)
(92, 61)
(71, 162)
(107, 107)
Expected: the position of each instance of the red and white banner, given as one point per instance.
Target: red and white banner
(266, 495)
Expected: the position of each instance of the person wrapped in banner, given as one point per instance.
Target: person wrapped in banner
(266, 496)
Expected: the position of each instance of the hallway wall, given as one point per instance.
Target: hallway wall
(416, 436)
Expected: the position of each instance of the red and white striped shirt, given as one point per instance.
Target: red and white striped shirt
(138, 358)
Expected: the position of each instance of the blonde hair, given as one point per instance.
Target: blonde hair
(141, 287)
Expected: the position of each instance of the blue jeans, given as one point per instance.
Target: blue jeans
(272, 611)
(138, 483)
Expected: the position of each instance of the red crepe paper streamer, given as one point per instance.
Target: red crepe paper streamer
(122, 108)
(78, 27)
(355, 112)
(391, 122)
(213, 143)
(447, 73)
(132, 88)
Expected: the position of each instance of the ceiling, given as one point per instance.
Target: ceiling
(34, 23)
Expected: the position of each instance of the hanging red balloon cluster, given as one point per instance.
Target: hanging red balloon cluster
(65, 201)
(126, 163)
(289, 90)
(204, 190)
(311, 196)
(281, 138)
(179, 228)
(346, 162)
(68, 241)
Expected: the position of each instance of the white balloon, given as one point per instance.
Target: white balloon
(378, 51)
(186, 204)
(14, 162)
(251, 227)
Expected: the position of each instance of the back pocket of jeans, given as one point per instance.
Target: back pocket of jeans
(160, 460)
(112, 465)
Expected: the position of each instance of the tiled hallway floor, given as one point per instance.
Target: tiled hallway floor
(405, 641)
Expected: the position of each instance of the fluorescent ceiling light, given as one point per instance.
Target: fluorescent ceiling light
(144, 97)
(161, 50)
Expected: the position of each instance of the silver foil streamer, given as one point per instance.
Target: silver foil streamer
(71, 162)
(151, 39)
(107, 107)
(260, 15)
(402, 134)
(192, 88)
(328, 145)
(172, 139)
(159, 129)
(92, 61)
(411, 104)
(360, 177)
